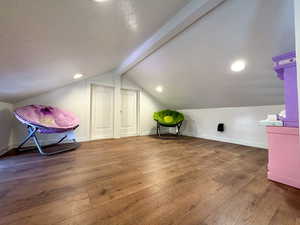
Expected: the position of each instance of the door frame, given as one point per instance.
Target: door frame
(91, 85)
(138, 109)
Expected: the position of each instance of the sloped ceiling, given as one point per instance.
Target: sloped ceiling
(194, 68)
(43, 43)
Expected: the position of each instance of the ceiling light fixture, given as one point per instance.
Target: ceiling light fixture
(238, 65)
(100, 0)
(159, 89)
(77, 76)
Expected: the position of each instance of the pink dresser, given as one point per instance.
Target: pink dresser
(284, 147)
(284, 155)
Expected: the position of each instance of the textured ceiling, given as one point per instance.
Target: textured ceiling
(45, 42)
(194, 68)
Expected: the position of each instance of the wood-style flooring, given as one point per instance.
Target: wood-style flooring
(145, 181)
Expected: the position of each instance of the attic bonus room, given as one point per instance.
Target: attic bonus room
(138, 112)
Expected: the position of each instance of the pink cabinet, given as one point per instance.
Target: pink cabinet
(284, 155)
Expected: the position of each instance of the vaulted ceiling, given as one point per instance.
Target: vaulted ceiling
(194, 67)
(43, 43)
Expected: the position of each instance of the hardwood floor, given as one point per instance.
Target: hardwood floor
(145, 181)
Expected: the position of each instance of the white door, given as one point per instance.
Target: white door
(102, 124)
(129, 113)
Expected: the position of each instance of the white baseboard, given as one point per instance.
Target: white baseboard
(153, 131)
(230, 140)
(147, 132)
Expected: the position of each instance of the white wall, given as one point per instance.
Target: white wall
(6, 119)
(76, 98)
(241, 124)
(149, 105)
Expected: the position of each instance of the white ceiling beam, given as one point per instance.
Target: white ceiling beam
(192, 12)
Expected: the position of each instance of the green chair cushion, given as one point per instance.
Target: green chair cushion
(168, 117)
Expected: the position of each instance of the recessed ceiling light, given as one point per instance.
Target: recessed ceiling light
(238, 66)
(77, 76)
(159, 89)
(100, 0)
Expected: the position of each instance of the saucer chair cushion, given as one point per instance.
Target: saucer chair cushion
(47, 118)
(168, 117)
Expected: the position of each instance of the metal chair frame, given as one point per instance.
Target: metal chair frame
(32, 130)
(178, 126)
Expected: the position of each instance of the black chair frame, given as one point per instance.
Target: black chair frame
(159, 125)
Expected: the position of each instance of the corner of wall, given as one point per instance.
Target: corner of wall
(6, 129)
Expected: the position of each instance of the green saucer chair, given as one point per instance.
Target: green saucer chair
(168, 118)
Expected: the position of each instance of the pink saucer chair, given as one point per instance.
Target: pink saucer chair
(47, 120)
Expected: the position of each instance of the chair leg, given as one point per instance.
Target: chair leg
(31, 133)
(158, 130)
(50, 153)
(63, 138)
(178, 129)
(38, 145)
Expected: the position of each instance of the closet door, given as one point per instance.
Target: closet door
(102, 123)
(129, 113)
